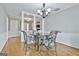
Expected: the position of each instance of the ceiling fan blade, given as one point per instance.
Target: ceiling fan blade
(56, 9)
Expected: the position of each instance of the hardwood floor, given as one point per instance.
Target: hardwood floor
(14, 47)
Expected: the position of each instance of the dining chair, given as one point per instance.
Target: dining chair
(28, 38)
(37, 40)
(27, 41)
(50, 40)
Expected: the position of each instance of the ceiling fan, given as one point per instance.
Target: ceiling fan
(43, 12)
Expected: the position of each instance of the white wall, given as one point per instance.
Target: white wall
(3, 30)
(13, 28)
(67, 22)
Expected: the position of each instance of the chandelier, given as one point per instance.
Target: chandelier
(43, 12)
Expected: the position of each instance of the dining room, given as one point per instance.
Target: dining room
(39, 29)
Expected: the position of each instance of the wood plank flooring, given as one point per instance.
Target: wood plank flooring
(14, 47)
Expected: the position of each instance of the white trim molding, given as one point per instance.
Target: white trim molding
(70, 39)
(3, 40)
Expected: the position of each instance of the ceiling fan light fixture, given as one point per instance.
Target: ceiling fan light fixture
(44, 11)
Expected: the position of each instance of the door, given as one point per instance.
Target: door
(14, 28)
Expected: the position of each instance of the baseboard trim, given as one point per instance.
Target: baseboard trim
(67, 45)
(70, 39)
(4, 45)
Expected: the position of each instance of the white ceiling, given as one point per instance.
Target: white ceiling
(13, 10)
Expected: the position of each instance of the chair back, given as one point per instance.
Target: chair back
(53, 35)
(51, 38)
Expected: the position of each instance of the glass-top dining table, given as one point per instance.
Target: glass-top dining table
(39, 40)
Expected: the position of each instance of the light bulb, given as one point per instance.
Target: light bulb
(49, 10)
(46, 12)
(38, 11)
(41, 13)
